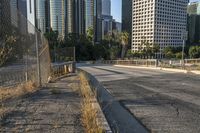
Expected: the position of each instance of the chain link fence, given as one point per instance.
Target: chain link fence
(24, 52)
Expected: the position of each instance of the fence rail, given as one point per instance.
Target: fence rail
(150, 62)
(189, 64)
(60, 69)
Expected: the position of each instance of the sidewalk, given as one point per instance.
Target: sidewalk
(54, 109)
(161, 68)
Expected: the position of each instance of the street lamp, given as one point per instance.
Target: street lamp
(184, 38)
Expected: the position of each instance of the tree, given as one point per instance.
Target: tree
(169, 52)
(129, 53)
(52, 38)
(194, 52)
(6, 49)
(90, 34)
(124, 38)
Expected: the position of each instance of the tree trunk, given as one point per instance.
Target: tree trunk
(123, 51)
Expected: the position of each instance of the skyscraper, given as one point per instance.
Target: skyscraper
(5, 17)
(13, 11)
(69, 16)
(31, 11)
(161, 22)
(79, 23)
(93, 18)
(127, 16)
(89, 14)
(193, 22)
(40, 15)
(106, 7)
(57, 16)
(106, 18)
(107, 27)
(98, 20)
(22, 7)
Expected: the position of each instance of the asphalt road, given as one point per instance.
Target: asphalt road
(162, 101)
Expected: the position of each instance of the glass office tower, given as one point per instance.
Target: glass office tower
(41, 15)
(193, 22)
(57, 16)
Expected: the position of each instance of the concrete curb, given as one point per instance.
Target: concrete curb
(119, 119)
(195, 72)
(160, 68)
(101, 119)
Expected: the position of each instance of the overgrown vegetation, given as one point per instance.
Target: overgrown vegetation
(89, 113)
(14, 92)
(112, 47)
(14, 45)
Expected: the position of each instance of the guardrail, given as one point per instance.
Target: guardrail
(189, 64)
(61, 69)
(150, 62)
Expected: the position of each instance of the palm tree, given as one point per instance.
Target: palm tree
(90, 34)
(124, 38)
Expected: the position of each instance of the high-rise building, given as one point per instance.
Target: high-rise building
(79, 23)
(57, 16)
(31, 11)
(47, 15)
(117, 26)
(89, 14)
(106, 7)
(22, 7)
(107, 21)
(31, 16)
(127, 16)
(22, 15)
(93, 18)
(13, 11)
(40, 15)
(161, 22)
(69, 16)
(106, 18)
(98, 20)
(5, 17)
(193, 22)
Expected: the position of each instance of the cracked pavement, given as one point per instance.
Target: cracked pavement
(53, 109)
(164, 102)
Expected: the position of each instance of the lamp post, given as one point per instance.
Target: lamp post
(184, 38)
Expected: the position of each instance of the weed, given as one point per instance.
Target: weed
(89, 113)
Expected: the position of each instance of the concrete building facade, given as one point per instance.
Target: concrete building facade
(106, 7)
(106, 25)
(193, 22)
(127, 16)
(161, 22)
(57, 17)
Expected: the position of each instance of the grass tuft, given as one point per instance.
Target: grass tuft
(89, 113)
(14, 92)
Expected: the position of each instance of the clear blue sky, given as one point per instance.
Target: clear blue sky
(116, 8)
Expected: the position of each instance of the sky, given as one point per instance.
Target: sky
(194, 0)
(116, 8)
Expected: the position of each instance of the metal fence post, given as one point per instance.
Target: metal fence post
(26, 73)
(38, 60)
